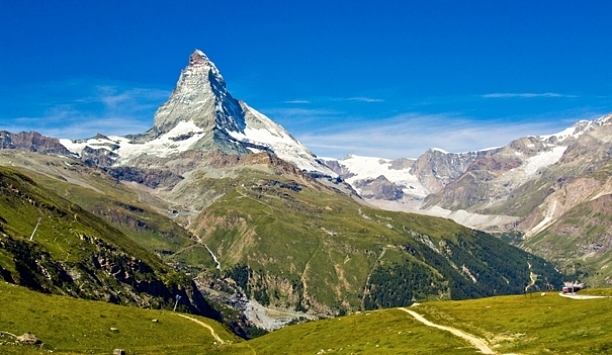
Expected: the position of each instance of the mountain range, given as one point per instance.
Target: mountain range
(544, 191)
(268, 233)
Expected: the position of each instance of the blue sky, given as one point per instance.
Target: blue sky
(388, 79)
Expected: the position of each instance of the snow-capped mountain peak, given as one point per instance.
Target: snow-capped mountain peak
(199, 63)
(200, 95)
(198, 58)
(202, 115)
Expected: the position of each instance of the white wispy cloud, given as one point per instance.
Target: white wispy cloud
(297, 102)
(301, 112)
(525, 95)
(410, 135)
(296, 117)
(115, 97)
(364, 99)
(335, 99)
(84, 108)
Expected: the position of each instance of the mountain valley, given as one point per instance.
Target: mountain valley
(220, 205)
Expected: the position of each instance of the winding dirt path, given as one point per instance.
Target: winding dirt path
(212, 331)
(480, 344)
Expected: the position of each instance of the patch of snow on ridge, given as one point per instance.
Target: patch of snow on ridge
(371, 168)
(543, 159)
(281, 144)
(573, 131)
(77, 146)
(262, 131)
(165, 145)
(177, 140)
(566, 133)
(604, 119)
(439, 150)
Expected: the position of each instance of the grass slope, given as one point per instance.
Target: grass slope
(77, 253)
(70, 326)
(135, 212)
(531, 324)
(311, 247)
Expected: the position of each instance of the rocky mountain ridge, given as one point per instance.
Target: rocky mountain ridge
(444, 183)
(32, 142)
(529, 188)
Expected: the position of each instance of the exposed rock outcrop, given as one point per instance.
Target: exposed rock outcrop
(33, 142)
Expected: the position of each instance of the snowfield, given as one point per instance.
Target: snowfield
(543, 160)
(261, 130)
(177, 140)
(371, 168)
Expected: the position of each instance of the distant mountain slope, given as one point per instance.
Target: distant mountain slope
(403, 182)
(531, 186)
(492, 189)
(576, 229)
(76, 253)
(31, 141)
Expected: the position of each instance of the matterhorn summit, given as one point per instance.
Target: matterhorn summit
(200, 115)
(200, 96)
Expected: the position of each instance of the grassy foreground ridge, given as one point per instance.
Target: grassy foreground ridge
(532, 324)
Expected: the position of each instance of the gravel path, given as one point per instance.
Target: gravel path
(480, 344)
(212, 331)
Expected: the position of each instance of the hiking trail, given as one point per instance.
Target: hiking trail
(479, 343)
(212, 331)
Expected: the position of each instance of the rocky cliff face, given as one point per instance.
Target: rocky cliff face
(33, 142)
(380, 188)
(435, 169)
(200, 96)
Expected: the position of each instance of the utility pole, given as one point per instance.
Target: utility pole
(35, 228)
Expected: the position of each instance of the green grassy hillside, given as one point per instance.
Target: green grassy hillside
(291, 242)
(132, 209)
(532, 324)
(72, 326)
(76, 253)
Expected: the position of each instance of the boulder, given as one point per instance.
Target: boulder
(29, 339)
